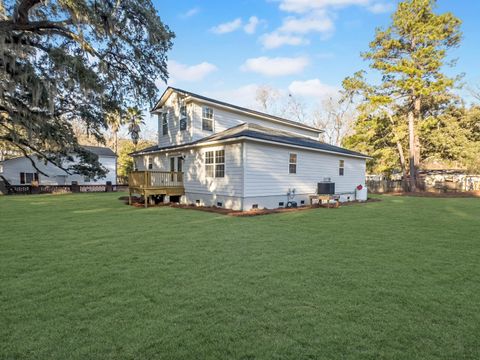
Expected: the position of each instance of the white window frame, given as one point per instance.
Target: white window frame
(34, 175)
(164, 123)
(292, 163)
(183, 117)
(341, 168)
(210, 118)
(214, 168)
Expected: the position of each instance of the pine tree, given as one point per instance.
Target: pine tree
(410, 56)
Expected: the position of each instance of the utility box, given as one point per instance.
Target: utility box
(361, 193)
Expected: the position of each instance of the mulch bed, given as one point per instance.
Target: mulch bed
(138, 202)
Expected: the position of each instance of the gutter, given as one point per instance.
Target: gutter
(246, 138)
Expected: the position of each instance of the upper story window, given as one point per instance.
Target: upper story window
(183, 117)
(292, 164)
(164, 123)
(207, 119)
(215, 163)
(341, 167)
(149, 163)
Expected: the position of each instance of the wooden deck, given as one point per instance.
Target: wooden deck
(148, 183)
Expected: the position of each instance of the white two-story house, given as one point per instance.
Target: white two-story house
(212, 153)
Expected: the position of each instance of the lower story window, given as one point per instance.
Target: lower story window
(27, 178)
(215, 163)
(341, 167)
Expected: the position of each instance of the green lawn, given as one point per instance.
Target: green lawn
(86, 277)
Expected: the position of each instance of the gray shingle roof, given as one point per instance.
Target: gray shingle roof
(100, 150)
(254, 131)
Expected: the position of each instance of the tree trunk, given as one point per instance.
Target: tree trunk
(417, 107)
(401, 155)
(411, 151)
(403, 165)
(115, 139)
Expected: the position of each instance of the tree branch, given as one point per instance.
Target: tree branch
(20, 14)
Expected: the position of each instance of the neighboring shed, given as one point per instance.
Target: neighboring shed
(20, 171)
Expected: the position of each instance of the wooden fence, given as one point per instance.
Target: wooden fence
(59, 189)
(430, 182)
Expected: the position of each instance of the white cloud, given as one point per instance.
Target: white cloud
(279, 66)
(303, 6)
(320, 22)
(190, 13)
(242, 96)
(312, 88)
(252, 24)
(182, 72)
(316, 16)
(274, 40)
(380, 8)
(227, 27)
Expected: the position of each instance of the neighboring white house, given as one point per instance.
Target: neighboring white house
(241, 159)
(20, 171)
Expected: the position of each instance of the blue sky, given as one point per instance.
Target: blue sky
(225, 49)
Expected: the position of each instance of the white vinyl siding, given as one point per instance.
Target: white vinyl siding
(195, 176)
(175, 135)
(266, 172)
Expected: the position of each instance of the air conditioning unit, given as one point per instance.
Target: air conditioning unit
(325, 188)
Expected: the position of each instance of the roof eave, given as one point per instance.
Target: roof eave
(248, 138)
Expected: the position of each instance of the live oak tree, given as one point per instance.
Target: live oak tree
(65, 60)
(410, 56)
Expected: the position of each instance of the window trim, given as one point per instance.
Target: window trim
(165, 123)
(292, 163)
(23, 177)
(341, 167)
(213, 165)
(205, 119)
(183, 117)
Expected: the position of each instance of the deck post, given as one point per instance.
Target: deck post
(145, 198)
(129, 197)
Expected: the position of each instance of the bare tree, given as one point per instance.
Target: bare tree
(295, 109)
(335, 117)
(268, 99)
(475, 91)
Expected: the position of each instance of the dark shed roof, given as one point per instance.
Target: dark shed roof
(100, 150)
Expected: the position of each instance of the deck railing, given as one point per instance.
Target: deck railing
(155, 179)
